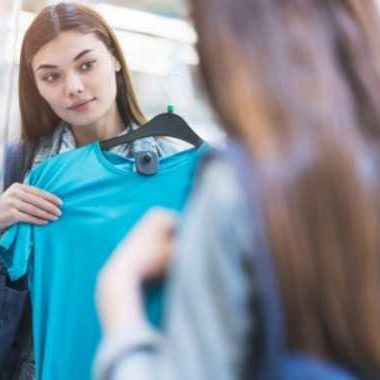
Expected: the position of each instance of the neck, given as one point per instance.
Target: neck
(110, 125)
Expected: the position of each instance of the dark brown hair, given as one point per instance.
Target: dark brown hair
(38, 119)
(298, 82)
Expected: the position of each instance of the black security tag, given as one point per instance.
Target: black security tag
(146, 162)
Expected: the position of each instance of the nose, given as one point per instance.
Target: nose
(73, 86)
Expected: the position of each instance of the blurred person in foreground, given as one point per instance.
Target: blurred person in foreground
(297, 83)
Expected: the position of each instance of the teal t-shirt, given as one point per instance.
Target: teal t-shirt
(103, 198)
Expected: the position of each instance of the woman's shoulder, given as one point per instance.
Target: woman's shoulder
(221, 205)
(218, 181)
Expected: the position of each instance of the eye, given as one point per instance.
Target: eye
(51, 77)
(87, 66)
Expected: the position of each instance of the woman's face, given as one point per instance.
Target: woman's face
(75, 74)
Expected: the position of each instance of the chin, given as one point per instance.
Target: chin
(83, 121)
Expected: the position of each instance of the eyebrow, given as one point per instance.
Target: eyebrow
(78, 56)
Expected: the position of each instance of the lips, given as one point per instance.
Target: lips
(80, 104)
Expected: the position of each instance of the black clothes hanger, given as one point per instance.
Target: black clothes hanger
(166, 124)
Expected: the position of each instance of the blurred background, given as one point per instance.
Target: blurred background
(159, 45)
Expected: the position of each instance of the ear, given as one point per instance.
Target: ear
(116, 64)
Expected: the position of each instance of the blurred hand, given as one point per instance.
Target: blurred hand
(146, 250)
(145, 253)
(29, 204)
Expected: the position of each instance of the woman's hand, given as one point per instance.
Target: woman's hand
(29, 204)
(145, 253)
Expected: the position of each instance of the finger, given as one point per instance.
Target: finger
(165, 219)
(165, 226)
(162, 213)
(41, 203)
(26, 218)
(43, 194)
(35, 211)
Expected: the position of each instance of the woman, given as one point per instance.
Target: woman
(297, 82)
(74, 88)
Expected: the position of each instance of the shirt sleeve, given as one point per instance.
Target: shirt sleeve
(208, 305)
(15, 249)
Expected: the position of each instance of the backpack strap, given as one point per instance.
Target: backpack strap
(268, 295)
(13, 295)
(17, 160)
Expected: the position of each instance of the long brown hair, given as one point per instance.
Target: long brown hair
(299, 82)
(38, 119)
